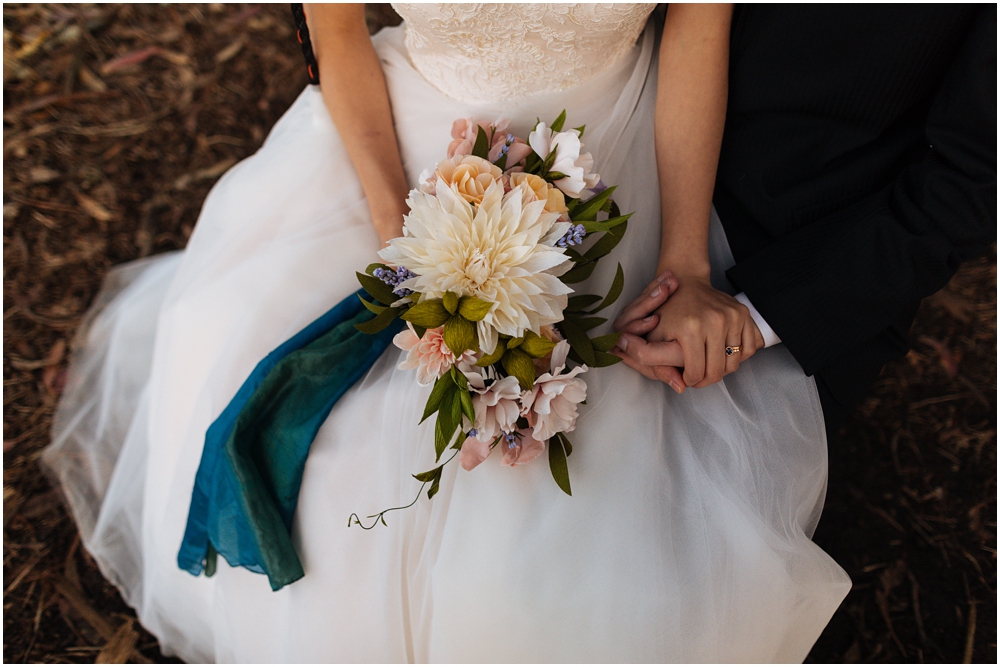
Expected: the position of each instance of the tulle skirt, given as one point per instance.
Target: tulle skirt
(687, 537)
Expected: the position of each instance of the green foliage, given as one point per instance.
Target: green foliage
(377, 289)
(605, 343)
(535, 346)
(371, 306)
(482, 146)
(578, 340)
(557, 124)
(460, 335)
(450, 302)
(441, 389)
(473, 309)
(429, 314)
(490, 359)
(519, 364)
(379, 322)
(557, 462)
(580, 302)
(616, 290)
(589, 209)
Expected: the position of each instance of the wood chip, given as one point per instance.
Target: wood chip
(120, 647)
(93, 208)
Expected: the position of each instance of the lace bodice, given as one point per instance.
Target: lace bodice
(483, 53)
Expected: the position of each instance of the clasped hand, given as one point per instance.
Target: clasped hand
(678, 329)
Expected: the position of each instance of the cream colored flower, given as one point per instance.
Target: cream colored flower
(502, 252)
(568, 160)
(468, 176)
(555, 201)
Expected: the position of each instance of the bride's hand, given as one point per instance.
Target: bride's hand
(705, 321)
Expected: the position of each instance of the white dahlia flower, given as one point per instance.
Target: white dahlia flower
(502, 251)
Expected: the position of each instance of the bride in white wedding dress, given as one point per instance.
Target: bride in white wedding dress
(687, 538)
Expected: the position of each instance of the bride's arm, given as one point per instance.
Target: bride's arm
(690, 116)
(355, 93)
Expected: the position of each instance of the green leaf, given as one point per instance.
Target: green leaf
(578, 274)
(431, 492)
(438, 393)
(371, 306)
(482, 147)
(616, 290)
(449, 418)
(567, 445)
(557, 124)
(549, 161)
(573, 255)
(588, 323)
(468, 409)
(555, 176)
(379, 322)
(519, 364)
(536, 346)
(377, 289)
(458, 377)
(588, 210)
(429, 314)
(450, 302)
(429, 475)
(420, 331)
(580, 302)
(605, 343)
(473, 309)
(580, 130)
(460, 335)
(370, 269)
(490, 359)
(593, 226)
(578, 340)
(607, 242)
(602, 359)
(501, 162)
(558, 465)
(515, 342)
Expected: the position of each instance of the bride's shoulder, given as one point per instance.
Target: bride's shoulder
(527, 15)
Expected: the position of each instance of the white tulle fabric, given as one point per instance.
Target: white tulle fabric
(688, 534)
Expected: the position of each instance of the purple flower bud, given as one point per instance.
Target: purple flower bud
(473, 432)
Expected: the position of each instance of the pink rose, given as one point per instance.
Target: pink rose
(429, 355)
(551, 404)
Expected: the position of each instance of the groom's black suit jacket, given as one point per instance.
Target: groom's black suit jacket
(858, 169)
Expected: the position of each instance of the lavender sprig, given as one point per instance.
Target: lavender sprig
(573, 236)
(394, 278)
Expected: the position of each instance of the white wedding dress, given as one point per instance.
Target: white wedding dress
(687, 537)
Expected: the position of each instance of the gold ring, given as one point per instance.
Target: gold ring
(732, 349)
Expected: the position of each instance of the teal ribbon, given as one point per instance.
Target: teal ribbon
(247, 485)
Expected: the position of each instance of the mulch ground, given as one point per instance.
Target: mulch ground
(118, 120)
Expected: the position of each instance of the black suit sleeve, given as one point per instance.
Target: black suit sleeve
(841, 281)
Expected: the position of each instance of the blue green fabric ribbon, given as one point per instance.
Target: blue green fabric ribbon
(247, 485)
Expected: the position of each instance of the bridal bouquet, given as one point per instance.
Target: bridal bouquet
(493, 240)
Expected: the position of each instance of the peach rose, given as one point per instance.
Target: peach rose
(468, 176)
(555, 201)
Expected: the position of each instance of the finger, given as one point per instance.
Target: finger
(715, 358)
(655, 294)
(643, 326)
(733, 360)
(634, 365)
(693, 346)
(749, 342)
(670, 375)
(652, 354)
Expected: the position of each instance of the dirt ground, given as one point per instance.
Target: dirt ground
(118, 120)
